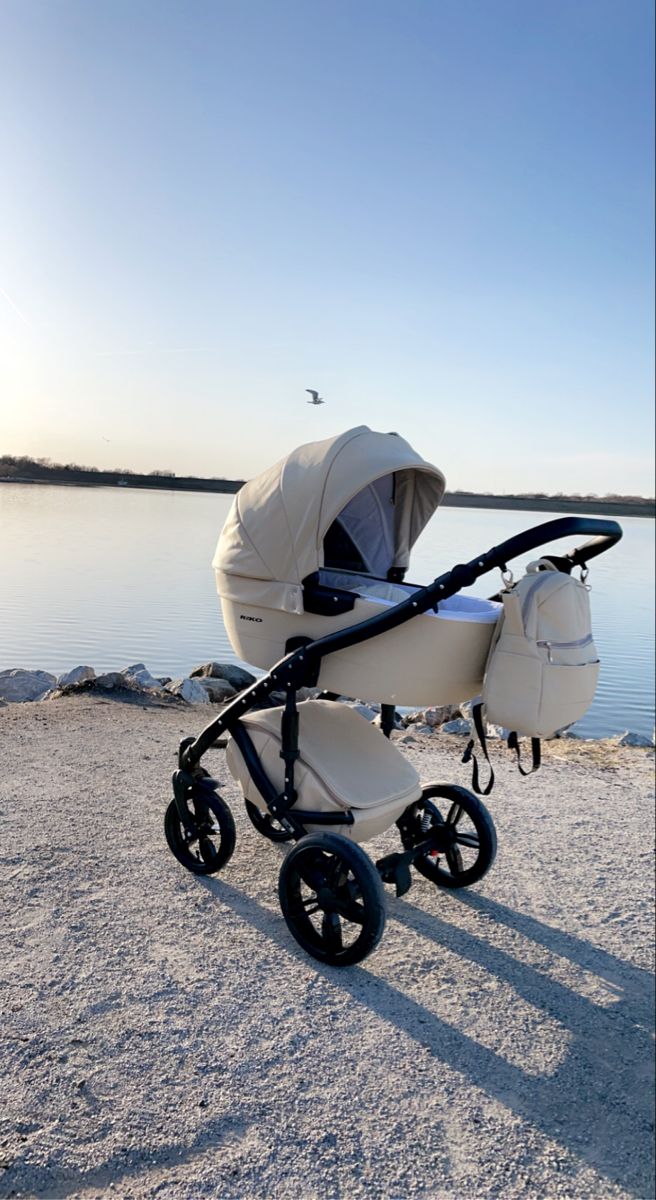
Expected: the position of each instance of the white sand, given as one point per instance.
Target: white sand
(164, 1036)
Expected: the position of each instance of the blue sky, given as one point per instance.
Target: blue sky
(437, 213)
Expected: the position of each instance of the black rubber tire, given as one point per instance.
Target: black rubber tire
(214, 824)
(345, 892)
(460, 801)
(266, 824)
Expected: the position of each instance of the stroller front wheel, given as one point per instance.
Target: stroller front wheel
(332, 899)
(208, 845)
(463, 835)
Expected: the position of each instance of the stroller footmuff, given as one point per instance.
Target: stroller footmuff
(346, 766)
(310, 569)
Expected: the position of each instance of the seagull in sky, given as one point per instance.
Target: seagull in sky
(316, 398)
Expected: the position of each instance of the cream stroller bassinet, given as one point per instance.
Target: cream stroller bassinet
(320, 542)
(310, 570)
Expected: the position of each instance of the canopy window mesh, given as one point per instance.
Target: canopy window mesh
(361, 538)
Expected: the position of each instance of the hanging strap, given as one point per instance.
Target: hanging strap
(513, 744)
(477, 717)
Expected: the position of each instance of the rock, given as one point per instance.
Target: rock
(163, 679)
(234, 675)
(18, 686)
(459, 726)
(364, 710)
(111, 679)
(76, 675)
(633, 739)
(218, 690)
(398, 723)
(425, 729)
(140, 677)
(188, 689)
(435, 716)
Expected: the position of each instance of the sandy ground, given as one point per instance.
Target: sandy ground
(164, 1035)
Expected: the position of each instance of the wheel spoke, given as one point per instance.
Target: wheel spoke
(331, 932)
(207, 850)
(334, 873)
(351, 911)
(468, 839)
(454, 814)
(454, 859)
(307, 907)
(309, 874)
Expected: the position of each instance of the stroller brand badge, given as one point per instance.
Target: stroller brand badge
(257, 620)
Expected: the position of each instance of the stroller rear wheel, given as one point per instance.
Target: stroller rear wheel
(463, 835)
(332, 899)
(266, 824)
(210, 842)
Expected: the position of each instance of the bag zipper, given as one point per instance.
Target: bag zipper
(565, 645)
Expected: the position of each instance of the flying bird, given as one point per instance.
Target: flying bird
(316, 398)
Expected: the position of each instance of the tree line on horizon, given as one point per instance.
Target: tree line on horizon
(14, 464)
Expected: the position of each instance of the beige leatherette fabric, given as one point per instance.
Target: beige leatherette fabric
(345, 763)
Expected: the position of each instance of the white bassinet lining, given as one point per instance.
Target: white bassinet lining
(380, 591)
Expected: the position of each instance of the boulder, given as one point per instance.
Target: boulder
(364, 710)
(398, 722)
(18, 686)
(188, 689)
(459, 726)
(497, 731)
(139, 676)
(76, 675)
(633, 739)
(434, 716)
(234, 675)
(218, 690)
(110, 680)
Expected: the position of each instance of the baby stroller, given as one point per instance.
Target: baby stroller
(310, 568)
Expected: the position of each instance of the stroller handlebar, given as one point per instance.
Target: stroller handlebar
(605, 534)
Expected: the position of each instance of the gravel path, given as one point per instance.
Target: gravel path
(164, 1036)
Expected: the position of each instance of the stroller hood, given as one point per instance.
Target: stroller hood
(380, 489)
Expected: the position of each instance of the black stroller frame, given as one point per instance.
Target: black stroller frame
(343, 883)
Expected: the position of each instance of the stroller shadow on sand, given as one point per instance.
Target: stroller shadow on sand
(596, 1103)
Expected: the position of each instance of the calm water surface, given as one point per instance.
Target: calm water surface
(110, 577)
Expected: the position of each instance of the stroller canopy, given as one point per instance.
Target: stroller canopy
(358, 501)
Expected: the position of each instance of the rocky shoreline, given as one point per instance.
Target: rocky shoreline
(213, 683)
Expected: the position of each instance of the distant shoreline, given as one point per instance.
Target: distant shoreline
(619, 507)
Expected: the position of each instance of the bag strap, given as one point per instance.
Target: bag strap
(513, 744)
(477, 717)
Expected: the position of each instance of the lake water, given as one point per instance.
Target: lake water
(110, 577)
